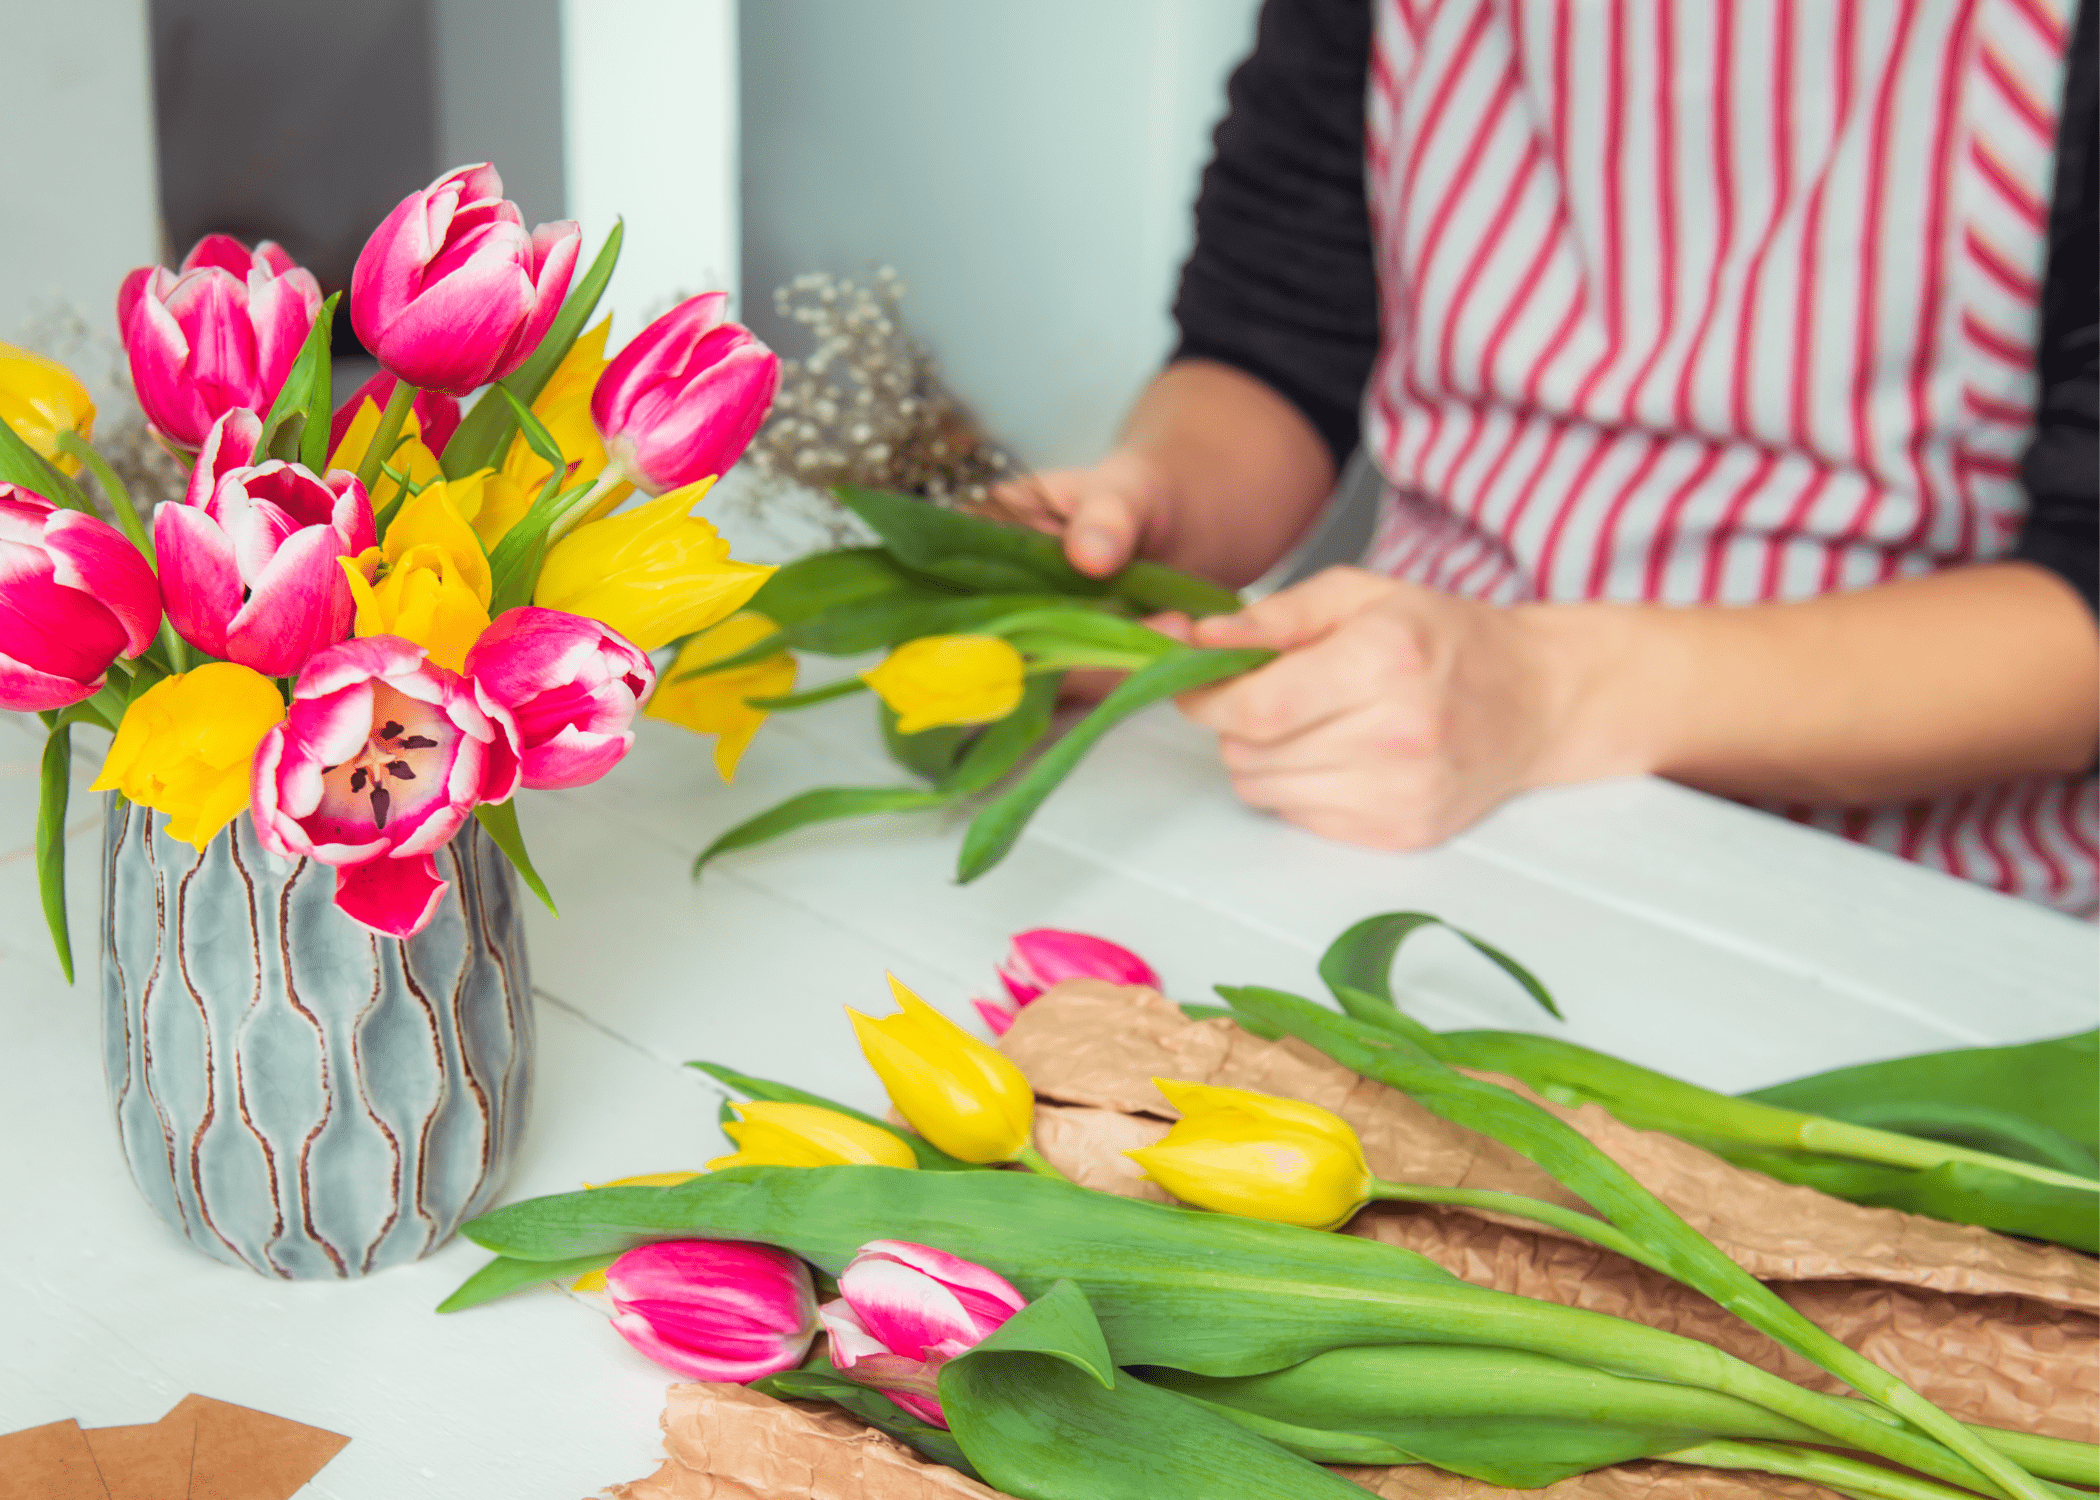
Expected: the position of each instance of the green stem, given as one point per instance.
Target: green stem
(1863, 1143)
(1571, 1220)
(1848, 1476)
(119, 497)
(384, 440)
(1034, 1161)
(609, 479)
(843, 688)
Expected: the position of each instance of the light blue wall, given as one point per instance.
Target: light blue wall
(1028, 168)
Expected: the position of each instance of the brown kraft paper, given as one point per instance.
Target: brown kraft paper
(1996, 1330)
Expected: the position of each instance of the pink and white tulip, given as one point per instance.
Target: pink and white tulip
(714, 1309)
(570, 685)
(680, 403)
(220, 332)
(904, 1310)
(437, 414)
(451, 292)
(74, 596)
(380, 760)
(250, 573)
(1044, 956)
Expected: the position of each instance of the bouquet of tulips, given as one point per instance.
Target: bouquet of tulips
(362, 625)
(1058, 1342)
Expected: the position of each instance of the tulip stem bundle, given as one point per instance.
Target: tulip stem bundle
(981, 621)
(364, 626)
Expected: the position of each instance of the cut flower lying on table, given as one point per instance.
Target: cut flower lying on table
(364, 626)
(985, 1315)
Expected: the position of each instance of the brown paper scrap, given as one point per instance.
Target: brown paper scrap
(201, 1450)
(52, 1462)
(724, 1442)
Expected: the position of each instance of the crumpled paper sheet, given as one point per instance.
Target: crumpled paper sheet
(1994, 1329)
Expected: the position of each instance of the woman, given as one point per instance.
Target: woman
(1731, 369)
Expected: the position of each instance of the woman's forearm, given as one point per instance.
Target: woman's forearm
(1906, 689)
(1240, 472)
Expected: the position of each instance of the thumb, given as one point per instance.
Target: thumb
(1102, 534)
(1298, 615)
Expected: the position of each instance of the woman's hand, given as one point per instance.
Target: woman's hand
(1118, 509)
(1397, 715)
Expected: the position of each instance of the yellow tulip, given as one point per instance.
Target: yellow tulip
(716, 703)
(1258, 1156)
(564, 408)
(594, 1281)
(39, 399)
(953, 1089)
(430, 582)
(806, 1135)
(411, 457)
(653, 573)
(491, 503)
(949, 679)
(185, 746)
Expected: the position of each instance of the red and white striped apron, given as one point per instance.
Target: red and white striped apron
(1693, 301)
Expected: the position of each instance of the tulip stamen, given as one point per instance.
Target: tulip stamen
(380, 799)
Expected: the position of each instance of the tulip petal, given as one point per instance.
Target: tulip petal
(300, 604)
(223, 251)
(397, 897)
(26, 690)
(989, 1297)
(229, 445)
(999, 1017)
(92, 556)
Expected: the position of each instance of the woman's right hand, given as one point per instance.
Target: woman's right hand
(1116, 510)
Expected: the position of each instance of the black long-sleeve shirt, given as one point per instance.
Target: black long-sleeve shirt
(1282, 284)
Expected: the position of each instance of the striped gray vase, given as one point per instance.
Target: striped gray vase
(294, 1093)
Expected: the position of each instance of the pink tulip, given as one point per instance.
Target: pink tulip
(1044, 956)
(450, 292)
(905, 1310)
(437, 414)
(74, 596)
(250, 574)
(380, 760)
(714, 1309)
(681, 401)
(219, 333)
(570, 685)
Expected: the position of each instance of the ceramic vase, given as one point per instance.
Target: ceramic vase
(295, 1093)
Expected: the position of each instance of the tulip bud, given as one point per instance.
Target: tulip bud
(681, 402)
(450, 292)
(949, 679)
(74, 596)
(251, 575)
(1044, 957)
(953, 1089)
(220, 332)
(186, 745)
(771, 1134)
(571, 687)
(429, 583)
(1258, 1156)
(714, 1309)
(40, 398)
(905, 1310)
(718, 703)
(653, 573)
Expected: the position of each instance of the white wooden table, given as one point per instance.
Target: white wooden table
(1675, 929)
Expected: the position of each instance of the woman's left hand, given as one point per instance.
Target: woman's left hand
(1396, 715)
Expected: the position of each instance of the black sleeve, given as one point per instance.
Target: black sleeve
(2061, 469)
(1282, 283)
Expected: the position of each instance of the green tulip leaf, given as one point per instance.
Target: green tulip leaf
(1040, 1410)
(826, 581)
(514, 567)
(994, 831)
(486, 430)
(500, 821)
(1154, 588)
(1362, 958)
(931, 753)
(872, 1407)
(931, 1158)
(826, 804)
(502, 1276)
(303, 398)
(55, 788)
(1005, 743)
(872, 624)
(1958, 1192)
(845, 687)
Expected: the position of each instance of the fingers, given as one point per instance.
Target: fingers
(1293, 617)
(1098, 511)
(1038, 501)
(1339, 672)
(1102, 534)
